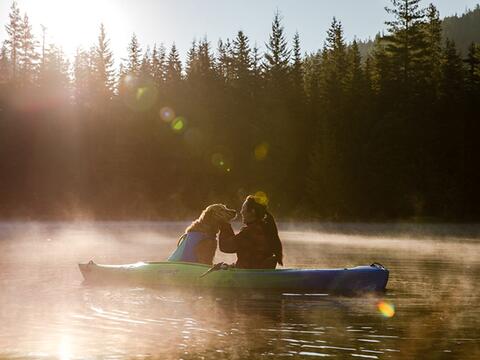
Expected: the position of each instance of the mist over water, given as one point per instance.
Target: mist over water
(46, 311)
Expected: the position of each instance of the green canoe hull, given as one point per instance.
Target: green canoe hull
(178, 274)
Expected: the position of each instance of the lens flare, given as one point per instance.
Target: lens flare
(386, 309)
(146, 96)
(221, 162)
(217, 160)
(141, 92)
(139, 96)
(261, 151)
(167, 114)
(129, 81)
(261, 197)
(178, 125)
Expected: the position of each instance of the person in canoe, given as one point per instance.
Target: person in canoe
(257, 245)
(199, 243)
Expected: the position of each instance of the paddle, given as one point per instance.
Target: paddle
(219, 266)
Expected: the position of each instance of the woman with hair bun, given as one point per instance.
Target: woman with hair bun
(257, 245)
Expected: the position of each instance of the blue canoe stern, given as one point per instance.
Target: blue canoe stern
(357, 279)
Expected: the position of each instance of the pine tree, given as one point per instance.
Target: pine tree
(14, 37)
(104, 65)
(83, 72)
(134, 60)
(277, 55)
(432, 52)
(225, 67)
(192, 60)
(257, 72)
(452, 74)
(146, 66)
(54, 74)
(297, 66)
(356, 76)
(158, 65)
(174, 66)
(328, 179)
(311, 78)
(300, 133)
(405, 41)
(450, 130)
(256, 63)
(335, 63)
(276, 123)
(297, 94)
(369, 74)
(473, 69)
(27, 56)
(121, 85)
(4, 65)
(44, 32)
(242, 62)
(205, 65)
(383, 73)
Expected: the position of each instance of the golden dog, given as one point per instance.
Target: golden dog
(209, 223)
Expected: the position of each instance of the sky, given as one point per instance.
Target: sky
(74, 23)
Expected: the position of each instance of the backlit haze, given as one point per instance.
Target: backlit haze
(72, 23)
(429, 312)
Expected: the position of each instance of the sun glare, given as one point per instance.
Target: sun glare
(75, 23)
(64, 348)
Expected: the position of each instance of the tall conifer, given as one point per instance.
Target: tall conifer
(277, 54)
(14, 37)
(174, 66)
(28, 57)
(104, 64)
(158, 64)
(405, 41)
(225, 62)
(432, 51)
(242, 62)
(134, 60)
(297, 66)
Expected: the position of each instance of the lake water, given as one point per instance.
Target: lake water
(47, 313)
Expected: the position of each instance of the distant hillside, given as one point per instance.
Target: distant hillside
(463, 29)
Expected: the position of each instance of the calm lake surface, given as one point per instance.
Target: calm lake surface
(47, 313)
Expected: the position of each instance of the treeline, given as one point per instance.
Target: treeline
(326, 135)
(462, 29)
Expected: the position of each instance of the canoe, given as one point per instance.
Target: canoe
(181, 274)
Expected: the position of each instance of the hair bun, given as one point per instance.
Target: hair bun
(257, 200)
(259, 208)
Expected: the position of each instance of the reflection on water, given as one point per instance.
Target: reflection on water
(430, 310)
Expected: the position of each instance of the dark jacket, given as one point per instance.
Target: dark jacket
(254, 248)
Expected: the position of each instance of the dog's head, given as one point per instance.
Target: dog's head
(217, 214)
(211, 219)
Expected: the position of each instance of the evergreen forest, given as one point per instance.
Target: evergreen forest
(340, 134)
